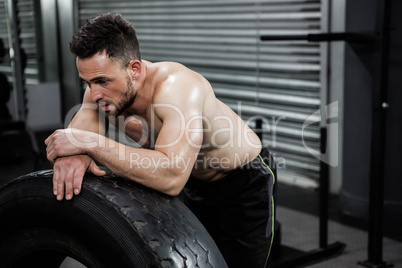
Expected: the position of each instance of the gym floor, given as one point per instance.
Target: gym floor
(297, 213)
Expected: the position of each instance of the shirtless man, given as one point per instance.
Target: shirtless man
(192, 143)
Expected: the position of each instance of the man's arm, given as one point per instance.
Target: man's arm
(69, 171)
(87, 118)
(166, 168)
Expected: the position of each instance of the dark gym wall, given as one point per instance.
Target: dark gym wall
(360, 18)
(361, 77)
(393, 178)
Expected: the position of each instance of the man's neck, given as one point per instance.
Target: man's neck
(145, 91)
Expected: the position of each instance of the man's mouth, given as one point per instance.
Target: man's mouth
(105, 108)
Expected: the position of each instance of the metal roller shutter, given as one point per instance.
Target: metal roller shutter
(28, 26)
(279, 81)
(5, 66)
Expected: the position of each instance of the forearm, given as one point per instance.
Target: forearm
(89, 120)
(88, 117)
(154, 169)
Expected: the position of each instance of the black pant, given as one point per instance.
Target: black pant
(238, 211)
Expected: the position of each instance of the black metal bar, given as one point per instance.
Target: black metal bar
(299, 258)
(323, 37)
(290, 257)
(327, 37)
(378, 142)
(283, 37)
(323, 193)
(307, 37)
(258, 128)
(302, 259)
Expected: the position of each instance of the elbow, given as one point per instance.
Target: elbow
(173, 192)
(175, 186)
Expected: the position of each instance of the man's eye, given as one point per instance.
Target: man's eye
(101, 82)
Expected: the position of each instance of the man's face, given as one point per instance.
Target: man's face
(111, 87)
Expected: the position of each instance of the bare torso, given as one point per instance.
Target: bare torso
(227, 141)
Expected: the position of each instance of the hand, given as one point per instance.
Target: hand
(69, 172)
(67, 142)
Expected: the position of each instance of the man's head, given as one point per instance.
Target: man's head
(108, 33)
(108, 59)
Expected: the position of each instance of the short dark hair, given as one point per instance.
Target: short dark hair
(110, 33)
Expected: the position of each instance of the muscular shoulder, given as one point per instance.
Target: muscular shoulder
(180, 85)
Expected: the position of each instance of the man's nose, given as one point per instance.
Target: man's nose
(96, 95)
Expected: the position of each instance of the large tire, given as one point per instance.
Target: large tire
(111, 223)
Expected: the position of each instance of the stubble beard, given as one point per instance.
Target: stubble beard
(125, 102)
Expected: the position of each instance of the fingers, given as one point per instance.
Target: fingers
(59, 144)
(68, 175)
(48, 139)
(51, 150)
(96, 170)
(69, 184)
(77, 180)
(55, 179)
(65, 185)
(58, 181)
(62, 178)
(51, 155)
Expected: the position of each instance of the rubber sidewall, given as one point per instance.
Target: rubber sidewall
(112, 223)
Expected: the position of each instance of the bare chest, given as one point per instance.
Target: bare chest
(144, 130)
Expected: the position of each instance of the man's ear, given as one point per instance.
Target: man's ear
(135, 69)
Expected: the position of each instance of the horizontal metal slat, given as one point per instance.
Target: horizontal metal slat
(288, 99)
(177, 15)
(299, 24)
(196, 39)
(209, 50)
(297, 132)
(5, 68)
(263, 81)
(302, 167)
(149, 7)
(269, 112)
(192, 3)
(193, 58)
(294, 149)
(249, 33)
(279, 127)
(263, 49)
(268, 97)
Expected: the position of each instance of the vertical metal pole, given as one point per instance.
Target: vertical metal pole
(377, 153)
(324, 171)
(323, 193)
(15, 56)
(258, 128)
(378, 149)
(376, 194)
